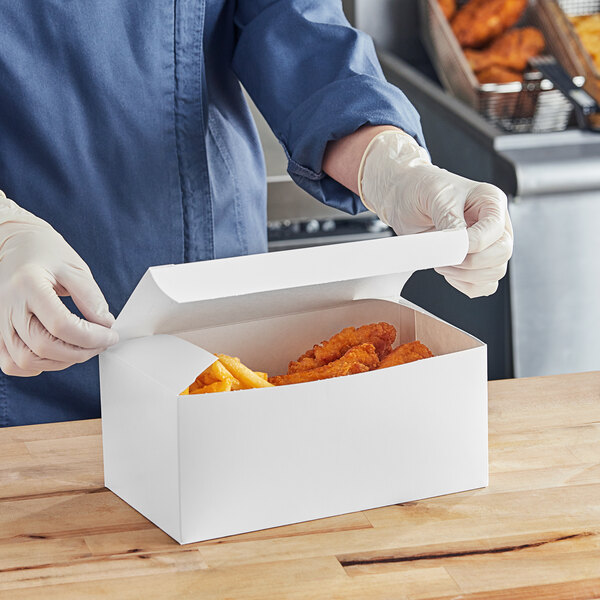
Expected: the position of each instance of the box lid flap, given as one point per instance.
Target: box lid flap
(151, 355)
(177, 298)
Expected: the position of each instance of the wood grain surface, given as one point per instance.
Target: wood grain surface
(533, 533)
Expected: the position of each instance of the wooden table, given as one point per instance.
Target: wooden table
(533, 533)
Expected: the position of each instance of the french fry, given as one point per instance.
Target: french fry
(216, 372)
(217, 386)
(247, 377)
(221, 372)
(239, 386)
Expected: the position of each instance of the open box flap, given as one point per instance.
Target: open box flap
(177, 298)
(149, 356)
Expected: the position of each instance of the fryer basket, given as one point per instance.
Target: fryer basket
(564, 42)
(529, 107)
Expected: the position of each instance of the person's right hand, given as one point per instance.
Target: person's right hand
(411, 195)
(37, 331)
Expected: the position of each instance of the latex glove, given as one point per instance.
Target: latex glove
(37, 331)
(398, 182)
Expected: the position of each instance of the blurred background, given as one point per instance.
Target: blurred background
(535, 142)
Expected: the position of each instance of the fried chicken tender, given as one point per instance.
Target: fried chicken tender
(495, 74)
(512, 50)
(587, 28)
(381, 335)
(405, 353)
(358, 359)
(448, 8)
(480, 21)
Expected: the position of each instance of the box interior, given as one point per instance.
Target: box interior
(269, 344)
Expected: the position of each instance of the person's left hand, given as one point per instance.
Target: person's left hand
(398, 182)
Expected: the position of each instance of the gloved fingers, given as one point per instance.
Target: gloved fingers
(446, 213)
(508, 226)
(485, 212)
(9, 366)
(479, 273)
(37, 338)
(476, 277)
(29, 363)
(63, 324)
(473, 290)
(495, 255)
(82, 287)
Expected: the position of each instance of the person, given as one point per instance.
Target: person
(126, 142)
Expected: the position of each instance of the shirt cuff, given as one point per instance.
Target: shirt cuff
(333, 112)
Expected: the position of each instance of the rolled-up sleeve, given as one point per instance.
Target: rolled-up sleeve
(315, 79)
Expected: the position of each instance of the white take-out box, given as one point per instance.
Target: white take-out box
(212, 465)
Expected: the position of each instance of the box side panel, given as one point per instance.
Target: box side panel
(263, 458)
(441, 337)
(139, 437)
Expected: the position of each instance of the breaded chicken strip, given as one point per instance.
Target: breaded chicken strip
(480, 21)
(381, 335)
(448, 8)
(511, 50)
(405, 353)
(358, 359)
(587, 28)
(495, 74)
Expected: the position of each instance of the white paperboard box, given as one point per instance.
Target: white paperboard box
(213, 465)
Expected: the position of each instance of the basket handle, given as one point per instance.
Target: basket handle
(582, 102)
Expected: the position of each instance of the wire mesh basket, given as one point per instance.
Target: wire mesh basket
(531, 106)
(563, 41)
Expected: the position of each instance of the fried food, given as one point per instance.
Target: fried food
(587, 28)
(218, 378)
(247, 377)
(381, 335)
(358, 359)
(346, 353)
(480, 21)
(448, 8)
(496, 74)
(217, 386)
(405, 353)
(215, 373)
(512, 50)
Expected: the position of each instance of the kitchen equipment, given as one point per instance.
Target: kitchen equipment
(585, 107)
(547, 320)
(532, 106)
(563, 41)
(288, 233)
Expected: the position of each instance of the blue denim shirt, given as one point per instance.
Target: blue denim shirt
(123, 124)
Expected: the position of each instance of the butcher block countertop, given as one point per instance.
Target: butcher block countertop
(533, 533)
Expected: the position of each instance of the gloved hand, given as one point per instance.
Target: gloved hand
(398, 183)
(37, 331)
